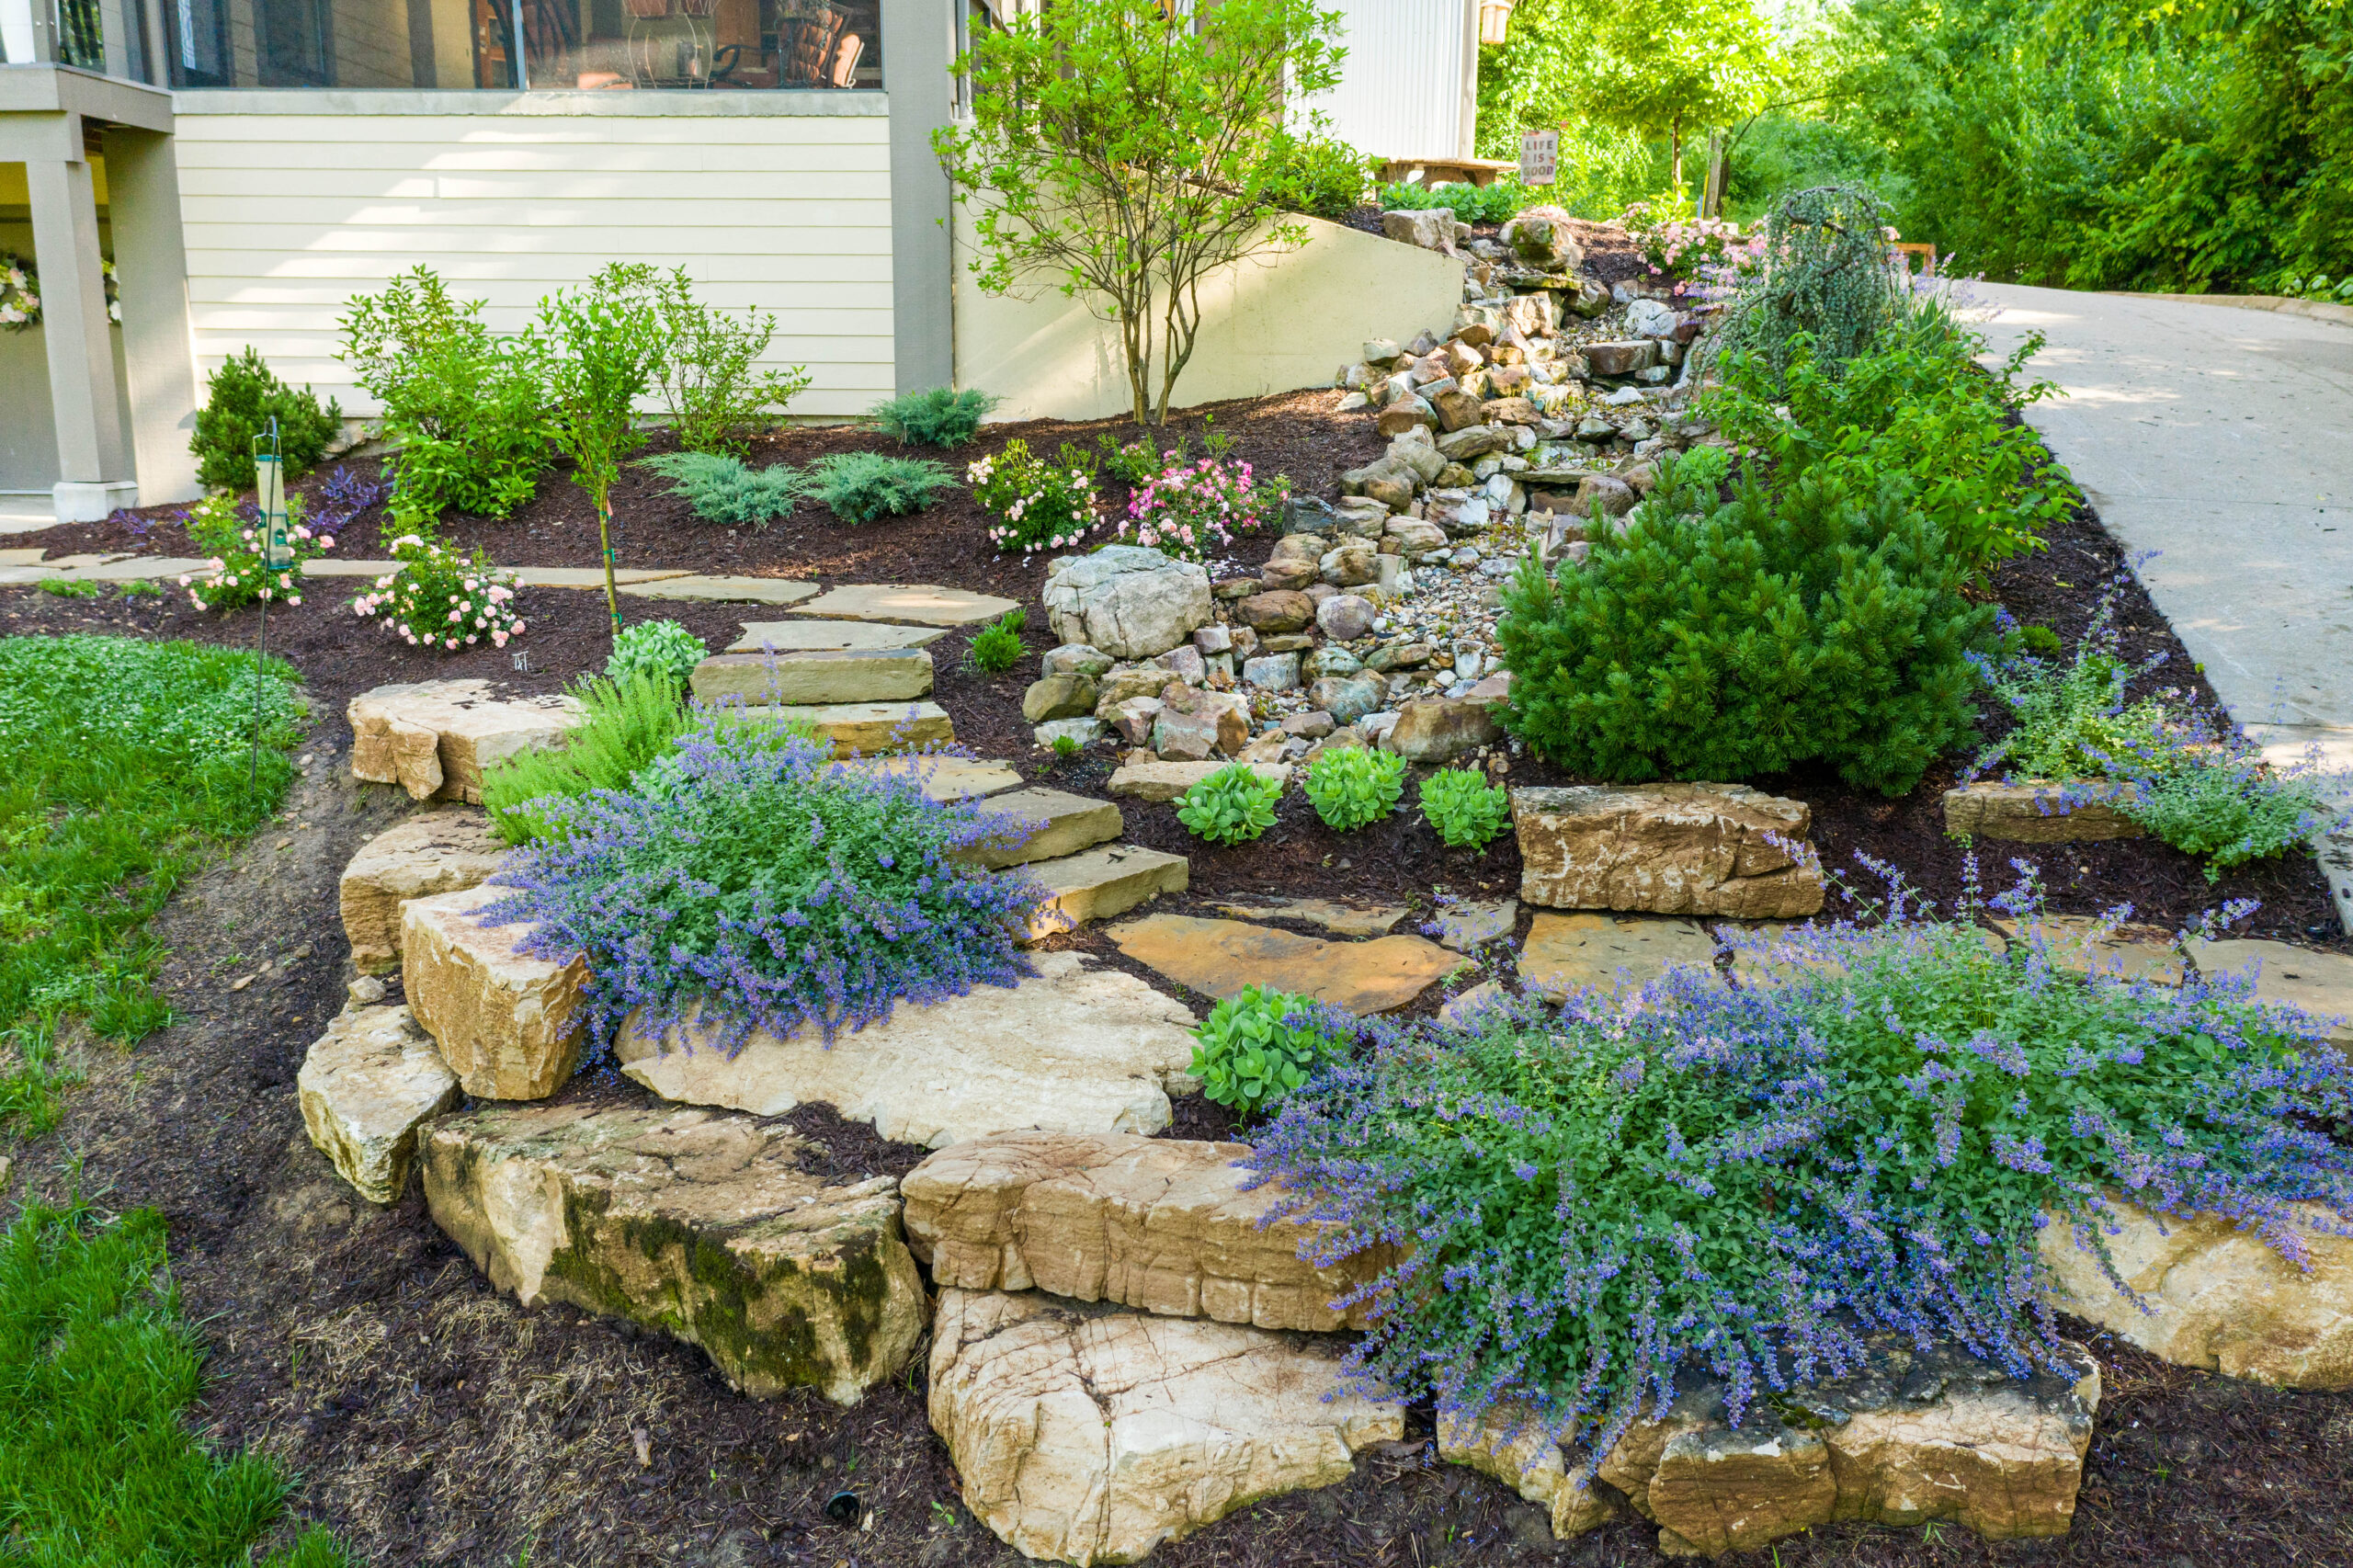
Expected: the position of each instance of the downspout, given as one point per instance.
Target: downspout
(1467, 132)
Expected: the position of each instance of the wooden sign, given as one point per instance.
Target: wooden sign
(1540, 152)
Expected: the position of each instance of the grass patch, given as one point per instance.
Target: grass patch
(123, 765)
(98, 1467)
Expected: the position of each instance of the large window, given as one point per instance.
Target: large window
(600, 45)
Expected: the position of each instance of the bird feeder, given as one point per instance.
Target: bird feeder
(1494, 20)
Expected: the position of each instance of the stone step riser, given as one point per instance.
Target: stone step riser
(808, 678)
(860, 729)
(1051, 824)
(1098, 883)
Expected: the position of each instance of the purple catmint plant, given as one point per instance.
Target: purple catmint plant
(758, 887)
(1741, 1178)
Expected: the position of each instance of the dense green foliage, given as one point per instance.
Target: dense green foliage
(1738, 1181)
(1255, 1048)
(1468, 203)
(858, 487)
(464, 409)
(631, 720)
(123, 763)
(241, 397)
(1827, 292)
(1232, 805)
(663, 650)
(1319, 176)
(98, 1466)
(1820, 617)
(941, 416)
(1034, 504)
(997, 647)
(230, 532)
(1463, 808)
(1354, 786)
(718, 401)
(721, 488)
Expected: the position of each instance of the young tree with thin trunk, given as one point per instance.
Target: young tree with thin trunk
(1119, 150)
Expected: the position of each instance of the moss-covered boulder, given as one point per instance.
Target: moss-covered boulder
(699, 1224)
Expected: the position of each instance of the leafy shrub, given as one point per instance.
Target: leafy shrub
(1320, 176)
(1193, 510)
(73, 588)
(1828, 284)
(1354, 786)
(662, 649)
(858, 487)
(717, 400)
(629, 720)
(1683, 247)
(240, 399)
(940, 417)
(765, 890)
(230, 532)
(1914, 411)
(1699, 640)
(997, 647)
(1463, 808)
(465, 411)
(1255, 1048)
(723, 489)
(1469, 203)
(1037, 506)
(1232, 805)
(441, 599)
(1742, 1182)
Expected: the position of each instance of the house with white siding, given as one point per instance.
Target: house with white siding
(247, 165)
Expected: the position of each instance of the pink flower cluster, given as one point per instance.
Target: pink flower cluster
(442, 600)
(1190, 510)
(1039, 506)
(237, 573)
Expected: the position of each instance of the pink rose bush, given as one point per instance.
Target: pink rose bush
(1035, 504)
(1683, 248)
(441, 599)
(230, 532)
(1192, 510)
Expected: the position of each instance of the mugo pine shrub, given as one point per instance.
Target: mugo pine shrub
(241, 398)
(1818, 621)
(441, 599)
(761, 888)
(1740, 1182)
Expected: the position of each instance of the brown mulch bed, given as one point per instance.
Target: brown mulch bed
(430, 1421)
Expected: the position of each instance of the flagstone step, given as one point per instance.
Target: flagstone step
(821, 636)
(1220, 957)
(1098, 883)
(856, 674)
(907, 601)
(942, 777)
(861, 728)
(582, 576)
(1053, 825)
(725, 590)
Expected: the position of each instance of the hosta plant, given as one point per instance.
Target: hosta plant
(662, 650)
(1463, 808)
(1257, 1048)
(1232, 805)
(1351, 786)
(441, 599)
(230, 532)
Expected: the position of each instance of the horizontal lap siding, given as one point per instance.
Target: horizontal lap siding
(286, 216)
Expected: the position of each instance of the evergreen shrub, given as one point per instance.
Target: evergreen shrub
(858, 487)
(721, 488)
(1741, 1181)
(241, 397)
(941, 416)
(1823, 622)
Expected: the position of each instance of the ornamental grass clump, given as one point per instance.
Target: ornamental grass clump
(1743, 1181)
(761, 888)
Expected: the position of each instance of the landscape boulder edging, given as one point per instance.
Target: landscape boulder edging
(1709, 849)
(432, 852)
(365, 1086)
(506, 1022)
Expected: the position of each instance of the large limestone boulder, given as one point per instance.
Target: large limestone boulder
(1913, 1435)
(2031, 814)
(2218, 1298)
(1091, 1436)
(704, 1226)
(433, 852)
(504, 1021)
(435, 737)
(1721, 849)
(1441, 728)
(1430, 228)
(1129, 602)
(365, 1086)
(1071, 1049)
(1543, 236)
(1160, 1223)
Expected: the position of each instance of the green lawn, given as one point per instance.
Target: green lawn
(123, 765)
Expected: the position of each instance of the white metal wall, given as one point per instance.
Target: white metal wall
(1401, 86)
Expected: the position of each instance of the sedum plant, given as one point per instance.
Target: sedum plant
(1257, 1048)
(663, 650)
(1463, 808)
(940, 417)
(1353, 787)
(721, 488)
(761, 888)
(1743, 1182)
(997, 646)
(858, 487)
(1232, 805)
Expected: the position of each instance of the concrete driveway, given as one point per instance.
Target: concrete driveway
(2223, 438)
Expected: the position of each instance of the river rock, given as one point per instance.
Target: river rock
(435, 737)
(506, 1022)
(1127, 601)
(1621, 359)
(365, 1086)
(1284, 610)
(2220, 1299)
(1059, 696)
(1346, 698)
(1169, 780)
(1431, 228)
(703, 1226)
(1163, 1224)
(432, 852)
(1092, 1435)
(1346, 617)
(1668, 849)
(1071, 1049)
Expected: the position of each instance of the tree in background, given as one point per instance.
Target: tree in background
(1116, 150)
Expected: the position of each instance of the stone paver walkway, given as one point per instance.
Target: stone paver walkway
(2223, 438)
